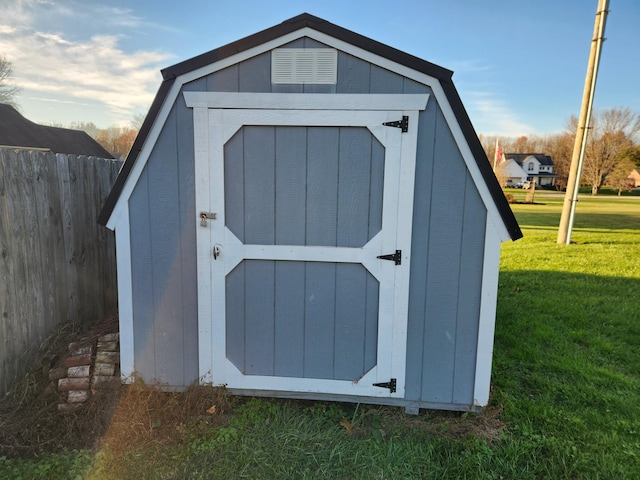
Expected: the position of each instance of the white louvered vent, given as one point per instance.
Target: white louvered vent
(304, 65)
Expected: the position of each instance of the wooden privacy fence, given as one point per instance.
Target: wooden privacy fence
(56, 263)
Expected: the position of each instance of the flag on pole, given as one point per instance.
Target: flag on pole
(497, 156)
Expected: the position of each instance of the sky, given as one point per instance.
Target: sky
(519, 65)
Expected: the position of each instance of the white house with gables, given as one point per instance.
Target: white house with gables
(520, 167)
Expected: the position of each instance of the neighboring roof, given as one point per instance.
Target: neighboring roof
(294, 24)
(522, 157)
(18, 132)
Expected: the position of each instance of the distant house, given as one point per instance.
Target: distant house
(18, 132)
(634, 177)
(520, 167)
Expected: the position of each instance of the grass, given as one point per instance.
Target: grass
(565, 394)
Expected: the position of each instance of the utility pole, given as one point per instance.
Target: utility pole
(580, 144)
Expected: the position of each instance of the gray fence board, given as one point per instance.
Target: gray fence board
(56, 263)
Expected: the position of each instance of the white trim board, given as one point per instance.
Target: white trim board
(307, 101)
(348, 48)
(125, 296)
(397, 223)
(487, 318)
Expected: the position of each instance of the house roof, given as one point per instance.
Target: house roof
(18, 132)
(443, 75)
(522, 157)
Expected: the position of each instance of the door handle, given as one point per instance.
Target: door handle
(216, 252)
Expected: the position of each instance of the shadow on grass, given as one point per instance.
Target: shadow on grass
(599, 221)
(551, 316)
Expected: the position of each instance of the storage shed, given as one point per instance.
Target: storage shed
(309, 213)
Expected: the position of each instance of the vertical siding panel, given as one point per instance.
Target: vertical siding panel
(354, 173)
(385, 81)
(142, 279)
(289, 319)
(376, 187)
(443, 267)
(322, 186)
(226, 80)
(290, 183)
(167, 269)
(255, 74)
(188, 224)
(471, 265)
(349, 350)
(259, 317)
(234, 321)
(259, 190)
(371, 323)
(353, 74)
(320, 300)
(234, 184)
(419, 250)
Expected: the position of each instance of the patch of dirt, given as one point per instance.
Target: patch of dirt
(124, 417)
(486, 425)
(121, 416)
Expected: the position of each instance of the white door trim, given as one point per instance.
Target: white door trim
(306, 101)
(212, 128)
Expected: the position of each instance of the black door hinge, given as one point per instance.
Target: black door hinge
(403, 124)
(395, 257)
(391, 385)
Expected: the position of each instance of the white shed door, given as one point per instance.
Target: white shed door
(295, 296)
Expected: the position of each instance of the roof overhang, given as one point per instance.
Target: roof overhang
(305, 25)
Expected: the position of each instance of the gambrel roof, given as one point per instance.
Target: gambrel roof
(520, 158)
(18, 132)
(442, 75)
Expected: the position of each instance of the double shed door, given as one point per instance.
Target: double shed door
(307, 191)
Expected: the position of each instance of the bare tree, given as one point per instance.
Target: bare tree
(560, 148)
(8, 91)
(618, 179)
(138, 120)
(612, 132)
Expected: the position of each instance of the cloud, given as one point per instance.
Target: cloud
(92, 70)
(491, 116)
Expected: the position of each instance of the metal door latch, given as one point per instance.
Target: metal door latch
(216, 252)
(204, 216)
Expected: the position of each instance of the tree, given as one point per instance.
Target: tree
(619, 177)
(8, 91)
(138, 120)
(559, 147)
(117, 140)
(612, 132)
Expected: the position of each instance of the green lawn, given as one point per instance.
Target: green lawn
(565, 395)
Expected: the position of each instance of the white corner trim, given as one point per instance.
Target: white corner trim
(469, 160)
(125, 295)
(487, 322)
(143, 156)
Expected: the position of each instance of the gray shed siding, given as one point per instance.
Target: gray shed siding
(447, 244)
